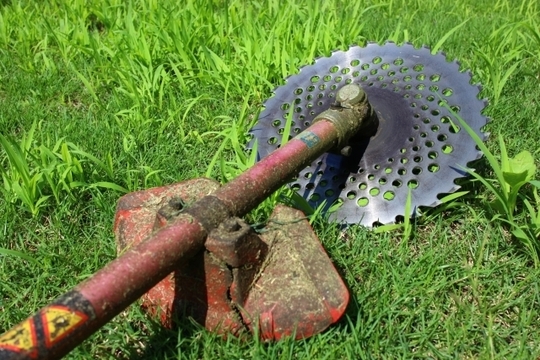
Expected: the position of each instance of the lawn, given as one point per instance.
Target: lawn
(103, 97)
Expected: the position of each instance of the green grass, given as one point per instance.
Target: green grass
(102, 97)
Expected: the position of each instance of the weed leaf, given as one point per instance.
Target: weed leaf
(523, 163)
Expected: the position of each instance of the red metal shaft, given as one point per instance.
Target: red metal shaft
(61, 326)
(253, 186)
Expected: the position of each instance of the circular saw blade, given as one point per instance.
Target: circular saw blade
(419, 146)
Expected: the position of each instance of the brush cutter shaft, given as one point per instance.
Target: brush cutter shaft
(59, 327)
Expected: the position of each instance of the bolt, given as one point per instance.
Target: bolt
(176, 203)
(231, 225)
(170, 210)
(350, 94)
(346, 151)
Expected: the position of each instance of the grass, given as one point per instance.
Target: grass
(102, 97)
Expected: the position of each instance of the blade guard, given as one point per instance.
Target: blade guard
(276, 284)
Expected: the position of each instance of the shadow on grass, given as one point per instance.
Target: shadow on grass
(164, 343)
(189, 340)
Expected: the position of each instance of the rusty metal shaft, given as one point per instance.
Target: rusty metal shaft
(61, 326)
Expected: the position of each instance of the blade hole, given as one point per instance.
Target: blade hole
(433, 168)
(447, 149)
(389, 195)
(435, 77)
(363, 202)
(412, 184)
(442, 137)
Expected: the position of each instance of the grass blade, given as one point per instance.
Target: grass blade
(21, 255)
(439, 43)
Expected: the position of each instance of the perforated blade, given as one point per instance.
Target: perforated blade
(419, 146)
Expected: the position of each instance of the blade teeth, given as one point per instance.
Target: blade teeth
(435, 203)
(267, 100)
(455, 188)
(479, 154)
(318, 59)
(480, 88)
(373, 48)
(337, 52)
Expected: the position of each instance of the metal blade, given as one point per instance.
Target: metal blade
(418, 147)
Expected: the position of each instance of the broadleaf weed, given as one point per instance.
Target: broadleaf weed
(511, 175)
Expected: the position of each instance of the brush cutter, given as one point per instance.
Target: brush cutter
(360, 131)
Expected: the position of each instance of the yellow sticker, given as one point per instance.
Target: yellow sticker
(21, 337)
(59, 321)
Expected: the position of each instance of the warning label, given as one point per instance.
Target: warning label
(59, 321)
(39, 335)
(21, 338)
